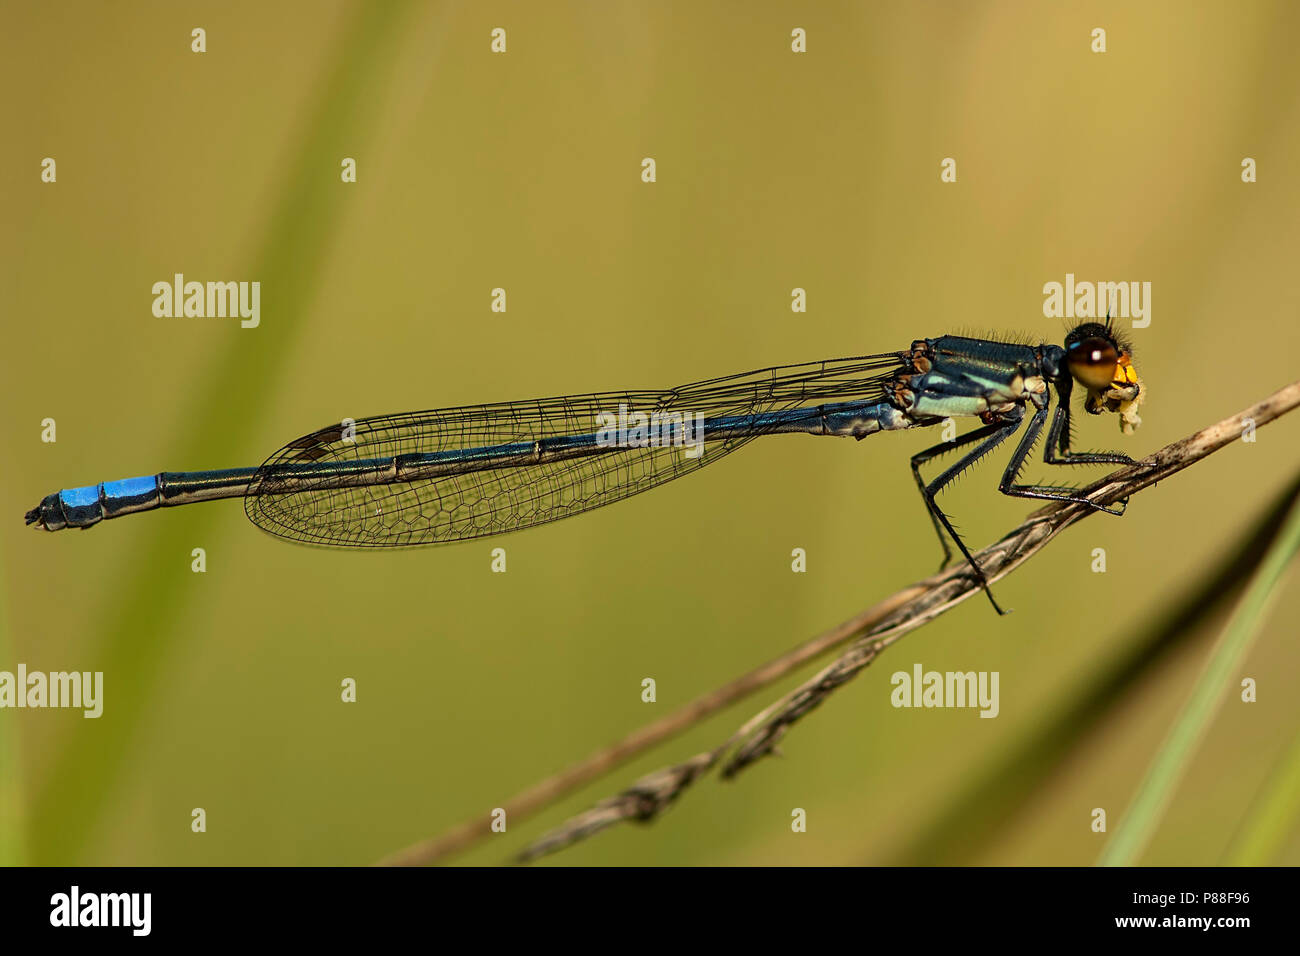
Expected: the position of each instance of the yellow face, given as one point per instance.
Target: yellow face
(1105, 370)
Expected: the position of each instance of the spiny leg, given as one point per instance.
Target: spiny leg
(1058, 439)
(1057, 451)
(1056, 436)
(936, 451)
(993, 435)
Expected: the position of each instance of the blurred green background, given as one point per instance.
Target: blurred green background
(522, 171)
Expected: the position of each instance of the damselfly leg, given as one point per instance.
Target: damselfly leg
(989, 436)
(1057, 452)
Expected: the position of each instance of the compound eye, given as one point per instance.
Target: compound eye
(1092, 362)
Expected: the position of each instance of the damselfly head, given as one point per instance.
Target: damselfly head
(1102, 363)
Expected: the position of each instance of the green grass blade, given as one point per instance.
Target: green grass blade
(144, 619)
(1143, 817)
(1270, 824)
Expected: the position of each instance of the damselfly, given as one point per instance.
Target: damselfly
(452, 474)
